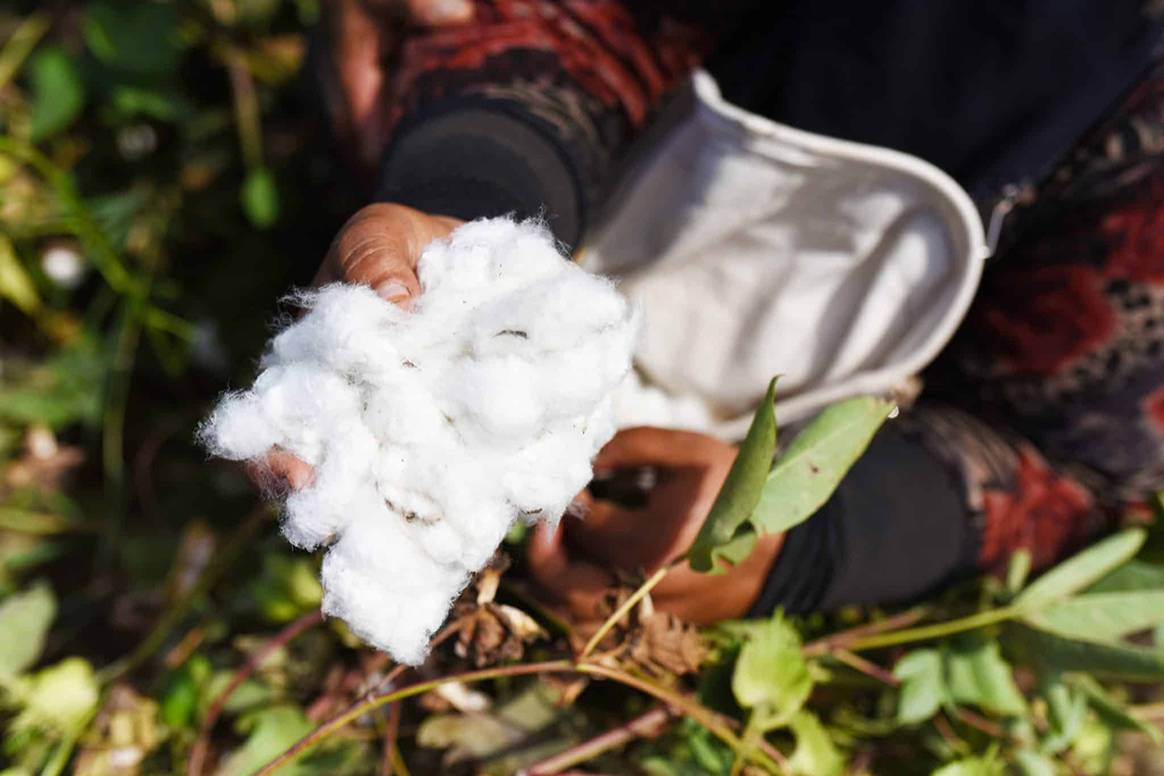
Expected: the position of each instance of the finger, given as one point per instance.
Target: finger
(380, 246)
(564, 579)
(439, 13)
(645, 445)
(280, 471)
(703, 599)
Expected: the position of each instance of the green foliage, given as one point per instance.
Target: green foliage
(144, 136)
(24, 622)
(759, 498)
(58, 95)
(812, 467)
(720, 537)
(771, 677)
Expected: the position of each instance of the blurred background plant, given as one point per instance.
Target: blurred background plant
(164, 178)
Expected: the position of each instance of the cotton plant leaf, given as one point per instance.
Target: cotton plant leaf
(58, 95)
(771, 676)
(15, 283)
(809, 471)
(1102, 617)
(971, 766)
(976, 674)
(1082, 570)
(24, 622)
(717, 539)
(1133, 575)
(815, 753)
(260, 197)
(1067, 711)
(923, 686)
(270, 731)
(1054, 653)
(1112, 710)
(60, 698)
(1028, 762)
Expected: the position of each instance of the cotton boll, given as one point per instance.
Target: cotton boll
(237, 429)
(432, 430)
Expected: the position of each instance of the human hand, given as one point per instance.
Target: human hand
(576, 564)
(379, 246)
(362, 35)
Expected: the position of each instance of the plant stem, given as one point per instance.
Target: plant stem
(338, 722)
(647, 724)
(766, 756)
(846, 637)
(858, 663)
(282, 638)
(622, 611)
(937, 630)
(20, 44)
(391, 733)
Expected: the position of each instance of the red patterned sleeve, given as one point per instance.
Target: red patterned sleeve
(527, 108)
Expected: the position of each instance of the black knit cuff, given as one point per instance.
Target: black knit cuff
(896, 527)
(472, 160)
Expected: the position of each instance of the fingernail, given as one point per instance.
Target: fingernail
(394, 291)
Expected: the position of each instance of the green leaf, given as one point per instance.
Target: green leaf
(739, 495)
(1102, 617)
(260, 197)
(976, 674)
(135, 37)
(1113, 711)
(1028, 762)
(1133, 575)
(1018, 570)
(816, 461)
(923, 686)
(1080, 571)
(771, 675)
(971, 766)
(58, 96)
(1054, 653)
(1067, 713)
(815, 753)
(61, 698)
(15, 284)
(271, 731)
(24, 622)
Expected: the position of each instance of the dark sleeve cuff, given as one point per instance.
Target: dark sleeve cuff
(896, 527)
(478, 160)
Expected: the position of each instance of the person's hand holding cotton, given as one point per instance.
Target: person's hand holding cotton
(458, 386)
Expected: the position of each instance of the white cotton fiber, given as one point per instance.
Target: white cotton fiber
(432, 430)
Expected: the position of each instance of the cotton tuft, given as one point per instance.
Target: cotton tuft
(432, 431)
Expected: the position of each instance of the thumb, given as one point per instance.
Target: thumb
(380, 246)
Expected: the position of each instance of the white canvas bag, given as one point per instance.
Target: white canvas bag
(755, 249)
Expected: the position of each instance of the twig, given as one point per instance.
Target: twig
(622, 611)
(869, 668)
(357, 710)
(768, 756)
(20, 44)
(982, 724)
(844, 638)
(937, 630)
(643, 725)
(281, 639)
(391, 733)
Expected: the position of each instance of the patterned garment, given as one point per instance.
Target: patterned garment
(1047, 409)
(1062, 354)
